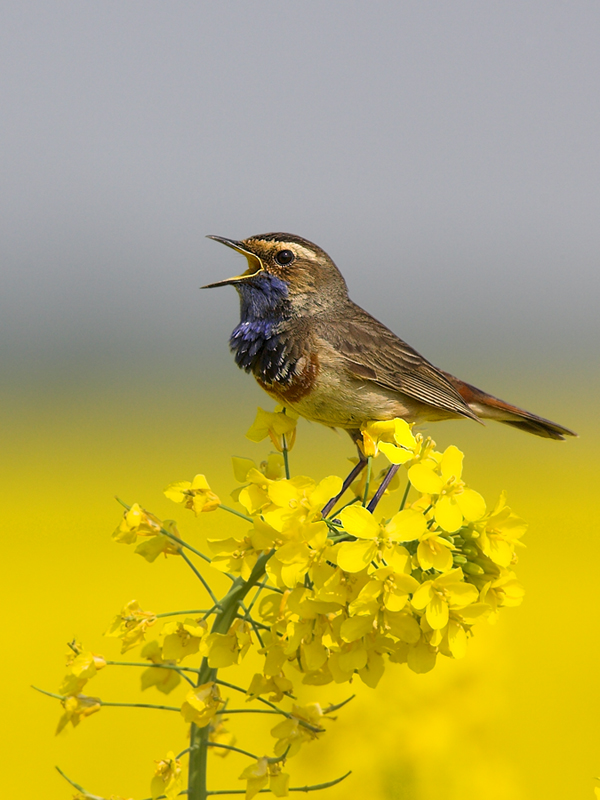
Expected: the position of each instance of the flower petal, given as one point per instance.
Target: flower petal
(406, 526)
(395, 455)
(424, 479)
(451, 463)
(359, 522)
(437, 612)
(355, 628)
(448, 515)
(355, 556)
(471, 503)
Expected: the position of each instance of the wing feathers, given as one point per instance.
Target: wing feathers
(374, 353)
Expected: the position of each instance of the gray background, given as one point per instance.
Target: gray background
(444, 154)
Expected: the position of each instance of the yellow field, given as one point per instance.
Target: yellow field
(517, 718)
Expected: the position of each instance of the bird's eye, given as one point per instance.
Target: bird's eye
(284, 257)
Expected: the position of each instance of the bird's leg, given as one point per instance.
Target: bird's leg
(384, 484)
(352, 476)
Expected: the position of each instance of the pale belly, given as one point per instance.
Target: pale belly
(348, 403)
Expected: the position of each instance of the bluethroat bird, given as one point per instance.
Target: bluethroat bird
(313, 350)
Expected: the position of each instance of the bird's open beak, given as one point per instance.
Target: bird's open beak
(255, 265)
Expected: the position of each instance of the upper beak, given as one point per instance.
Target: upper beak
(254, 263)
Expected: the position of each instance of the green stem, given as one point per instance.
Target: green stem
(260, 699)
(199, 743)
(250, 711)
(77, 786)
(183, 543)
(110, 704)
(140, 705)
(235, 749)
(237, 513)
(405, 496)
(200, 577)
(190, 611)
(315, 788)
(89, 796)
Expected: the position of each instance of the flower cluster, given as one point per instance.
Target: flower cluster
(325, 587)
(356, 589)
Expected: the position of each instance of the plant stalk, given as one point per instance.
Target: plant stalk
(230, 604)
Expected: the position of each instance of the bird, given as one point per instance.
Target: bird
(318, 353)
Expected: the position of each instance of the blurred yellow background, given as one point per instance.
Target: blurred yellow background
(517, 718)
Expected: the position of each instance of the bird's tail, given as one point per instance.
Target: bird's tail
(488, 407)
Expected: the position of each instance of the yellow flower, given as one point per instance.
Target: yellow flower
(195, 495)
(257, 777)
(218, 734)
(279, 426)
(393, 438)
(181, 639)
(299, 500)
(168, 778)
(77, 707)
(82, 666)
(293, 560)
(234, 555)
(376, 542)
(499, 533)
(292, 734)
(503, 591)
(136, 522)
(131, 625)
(276, 685)
(434, 552)
(272, 468)
(201, 704)
(225, 649)
(151, 548)
(396, 587)
(165, 680)
(437, 597)
(260, 774)
(455, 502)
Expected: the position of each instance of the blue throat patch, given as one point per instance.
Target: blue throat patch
(257, 342)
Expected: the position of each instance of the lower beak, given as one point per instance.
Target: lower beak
(254, 263)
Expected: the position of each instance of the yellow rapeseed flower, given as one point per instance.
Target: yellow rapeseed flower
(181, 639)
(225, 649)
(136, 522)
(292, 734)
(393, 438)
(499, 533)
(165, 680)
(131, 625)
(260, 774)
(298, 500)
(436, 597)
(168, 778)
(81, 666)
(374, 542)
(195, 494)
(278, 426)
(455, 502)
(77, 707)
(201, 704)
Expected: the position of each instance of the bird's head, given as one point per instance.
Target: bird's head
(284, 268)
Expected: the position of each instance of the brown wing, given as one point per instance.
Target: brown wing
(374, 353)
